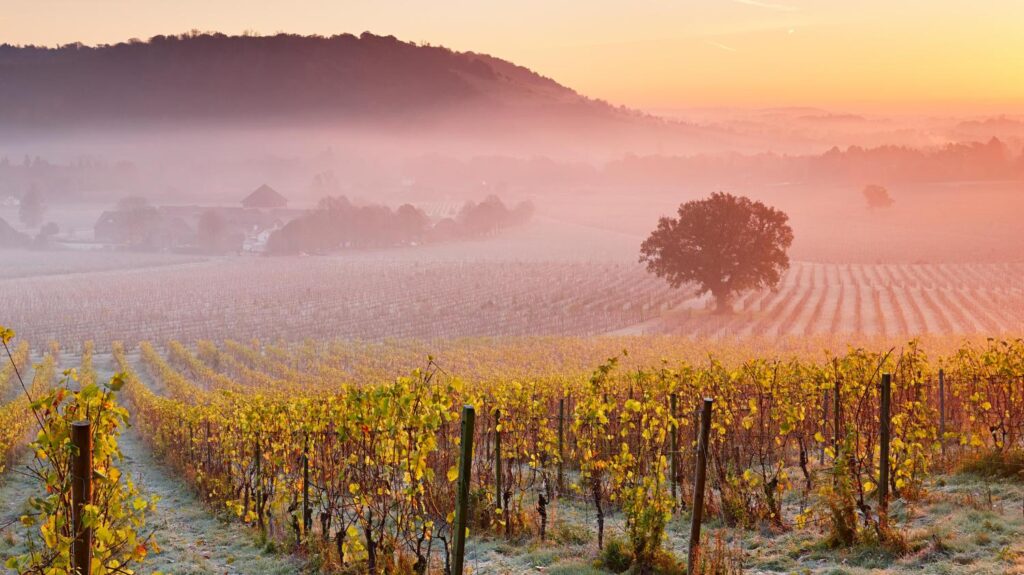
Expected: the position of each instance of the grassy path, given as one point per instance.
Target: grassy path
(16, 486)
(15, 489)
(192, 538)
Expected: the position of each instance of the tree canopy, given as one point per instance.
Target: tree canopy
(337, 223)
(877, 196)
(724, 244)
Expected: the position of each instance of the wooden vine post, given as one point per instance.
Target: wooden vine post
(258, 488)
(693, 559)
(462, 494)
(81, 495)
(561, 444)
(674, 445)
(209, 447)
(307, 518)
(498, 503)
(883, 458)
(825, 401)
(942, 410)
(837, 413)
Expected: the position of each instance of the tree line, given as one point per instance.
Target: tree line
(991, 160)
(337, 223)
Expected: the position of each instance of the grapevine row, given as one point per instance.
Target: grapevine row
(365, 471)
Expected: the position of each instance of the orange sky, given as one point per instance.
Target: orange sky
(908, 56)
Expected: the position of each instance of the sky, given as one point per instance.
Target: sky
(866, 56)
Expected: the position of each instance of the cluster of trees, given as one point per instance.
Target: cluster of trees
(82, 177)
(337, 223)
(477, 220)
(136, 223)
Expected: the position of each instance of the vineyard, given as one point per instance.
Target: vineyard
(329, 298)
(376, 300)
(883, 300)
(694, 288)
(348, 454)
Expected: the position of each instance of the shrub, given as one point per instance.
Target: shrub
(718, 558)
(667, 564)
(996, 464)
(617, 555)
(564, 533)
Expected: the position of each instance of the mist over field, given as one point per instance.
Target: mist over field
(281, 269)
(188, 126)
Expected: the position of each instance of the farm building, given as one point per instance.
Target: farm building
(265, 198)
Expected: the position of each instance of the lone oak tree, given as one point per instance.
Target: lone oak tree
(724, 244)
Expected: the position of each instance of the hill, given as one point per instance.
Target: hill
(213, 76)
(369, 85)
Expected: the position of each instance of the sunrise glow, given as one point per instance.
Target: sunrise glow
(871, 56)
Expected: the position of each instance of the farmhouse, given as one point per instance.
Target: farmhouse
(265, 198)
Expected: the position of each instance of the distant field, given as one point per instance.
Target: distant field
(408, 296)
(299, 298)
(866, 299)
